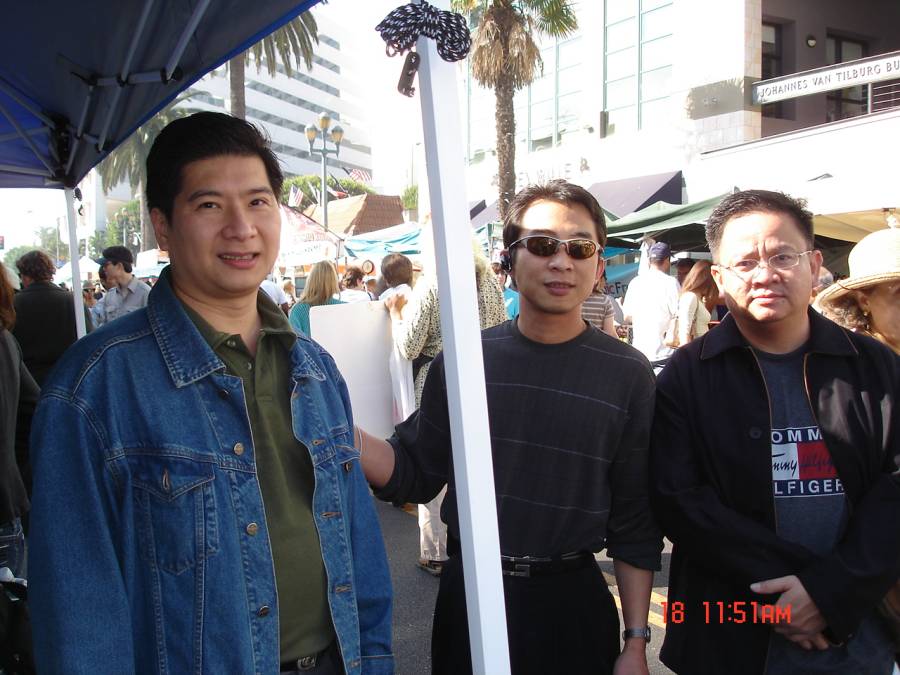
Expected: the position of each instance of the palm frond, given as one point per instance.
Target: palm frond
(555, 18)
(503, 49)
(487, 54)
(128, 161)
(291, 43)
(524, 60)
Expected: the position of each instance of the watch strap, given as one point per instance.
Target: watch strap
(637, 633)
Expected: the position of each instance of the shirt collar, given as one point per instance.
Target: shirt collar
(825, 337)
(272, 319)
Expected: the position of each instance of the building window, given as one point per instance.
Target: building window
(638, 63)
(546, 111)
(851, 101)
(772, 63)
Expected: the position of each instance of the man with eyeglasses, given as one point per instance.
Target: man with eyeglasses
(773, 466)
(569, 410)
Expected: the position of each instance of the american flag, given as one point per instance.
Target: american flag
(360, 175)
(295, 197)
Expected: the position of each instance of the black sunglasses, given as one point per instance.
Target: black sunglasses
(544, 246)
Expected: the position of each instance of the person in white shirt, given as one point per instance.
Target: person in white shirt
(274, 291)
(651, 303)
(352, 286)
(126, 293)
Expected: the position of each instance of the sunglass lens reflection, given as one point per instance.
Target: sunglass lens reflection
(581, 249)
(542, 246)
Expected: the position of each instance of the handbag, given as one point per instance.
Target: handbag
(671, 338)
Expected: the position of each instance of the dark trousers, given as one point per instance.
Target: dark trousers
(560, 623)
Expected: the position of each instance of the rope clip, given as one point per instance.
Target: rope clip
(408, 75)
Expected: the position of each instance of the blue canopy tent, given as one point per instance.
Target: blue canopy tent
(78, 78)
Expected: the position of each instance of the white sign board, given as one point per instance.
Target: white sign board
(829, 78)
(358, 336)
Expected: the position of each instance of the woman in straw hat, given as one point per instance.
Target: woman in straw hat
(869, 300)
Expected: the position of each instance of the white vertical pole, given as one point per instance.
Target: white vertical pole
(466, 394)
(80, 328)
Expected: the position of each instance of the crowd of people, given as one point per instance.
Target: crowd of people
(195, 496)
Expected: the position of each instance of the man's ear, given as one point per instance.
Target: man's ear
(161, 228)
(719, 277)
(815, 265)
(601, 265)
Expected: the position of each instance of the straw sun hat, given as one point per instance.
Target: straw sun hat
(874, 260)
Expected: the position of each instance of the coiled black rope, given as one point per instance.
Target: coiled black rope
(403, 26)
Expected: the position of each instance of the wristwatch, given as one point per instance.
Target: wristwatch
(637, 633)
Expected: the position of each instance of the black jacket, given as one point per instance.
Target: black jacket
(18, 396)
(45, 325)
(711, 488)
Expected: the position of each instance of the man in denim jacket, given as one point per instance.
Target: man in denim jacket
(198, 502)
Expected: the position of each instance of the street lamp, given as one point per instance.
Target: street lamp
(337, 135)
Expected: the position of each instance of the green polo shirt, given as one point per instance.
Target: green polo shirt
(286, 478)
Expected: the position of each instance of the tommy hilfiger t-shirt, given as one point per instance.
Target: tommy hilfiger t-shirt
(810, 509)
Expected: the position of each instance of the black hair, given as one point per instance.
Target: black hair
(396, 269)
(757, 201)
(556, 191)
(201, 136)
(119, 254)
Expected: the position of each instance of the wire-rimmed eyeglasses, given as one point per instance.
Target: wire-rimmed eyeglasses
(780, 261)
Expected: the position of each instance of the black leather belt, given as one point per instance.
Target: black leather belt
(530, 566)
(310, 663)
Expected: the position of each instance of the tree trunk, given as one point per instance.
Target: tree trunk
(506, 144)
(236, 75)
(148, 235)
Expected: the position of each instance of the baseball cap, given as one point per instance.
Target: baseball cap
(660, 251)
(116, 254)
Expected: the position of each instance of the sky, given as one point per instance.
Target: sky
(24, 211)
(396, 128)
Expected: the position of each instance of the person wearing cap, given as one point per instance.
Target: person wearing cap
(869, 300)
(773, 466)
(127, 293)
(199, 505)
(651, 303)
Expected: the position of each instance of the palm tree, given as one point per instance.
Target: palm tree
(505, 58)
(129, 161)
(295, 39)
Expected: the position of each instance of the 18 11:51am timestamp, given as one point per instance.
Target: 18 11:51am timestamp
(739, 611)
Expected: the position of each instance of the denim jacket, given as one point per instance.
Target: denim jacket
(142, 558)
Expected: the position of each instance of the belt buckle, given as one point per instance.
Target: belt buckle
(521, 570)
(307, 662)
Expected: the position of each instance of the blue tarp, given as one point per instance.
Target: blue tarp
(405, 239)
(61, 64)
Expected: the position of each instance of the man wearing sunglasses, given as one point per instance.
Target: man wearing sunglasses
(773, 466)
(569, 410)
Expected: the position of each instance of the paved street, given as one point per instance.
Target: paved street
(415, 592)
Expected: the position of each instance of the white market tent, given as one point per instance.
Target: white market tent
(77, 78)
(88, 267)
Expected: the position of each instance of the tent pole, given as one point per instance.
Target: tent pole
(123, 75)
(185, 37)
(80, 327)
(466, 392)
